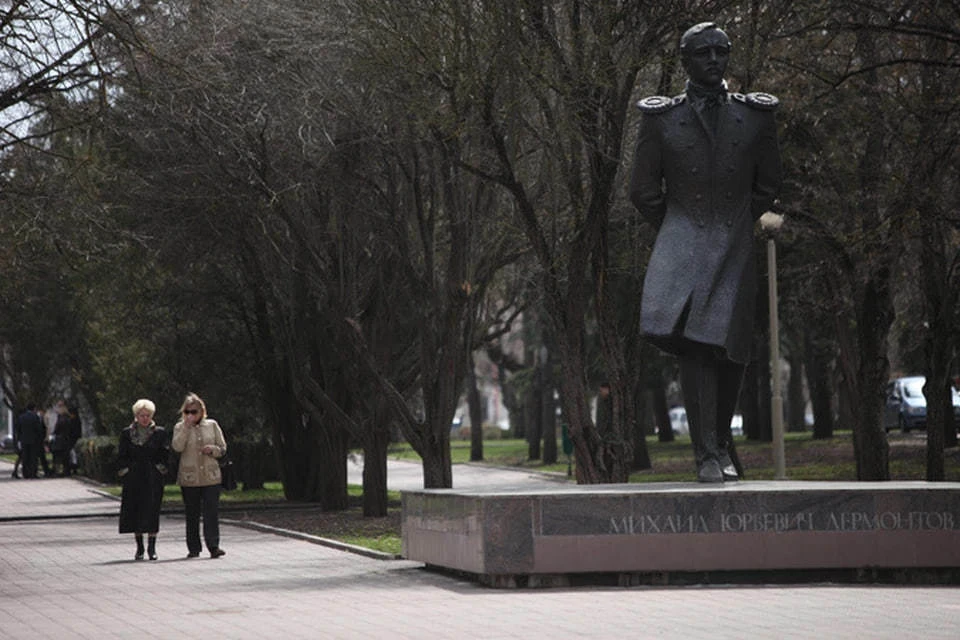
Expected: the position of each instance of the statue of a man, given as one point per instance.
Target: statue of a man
(707, 166)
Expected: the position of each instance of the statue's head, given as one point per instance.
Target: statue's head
(705, 51)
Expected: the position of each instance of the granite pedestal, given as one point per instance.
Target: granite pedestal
(546, 536)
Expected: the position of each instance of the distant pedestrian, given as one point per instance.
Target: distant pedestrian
(199, 441)
(16, 447)
(42, 450)
(65, 436)
(29, 432)
(143, 454)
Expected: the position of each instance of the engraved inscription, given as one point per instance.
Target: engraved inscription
(777, 522)
(740, 522)
(889, 521)
(658, 524)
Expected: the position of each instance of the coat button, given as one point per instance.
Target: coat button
(736, 143)
(694, 170)
(729, 223)
(699, 196)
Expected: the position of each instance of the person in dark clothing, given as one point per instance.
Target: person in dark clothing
(29, 432)
(66, 434)
(143, 453)
(42, 450)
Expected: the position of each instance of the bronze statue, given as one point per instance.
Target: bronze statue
(706, 167)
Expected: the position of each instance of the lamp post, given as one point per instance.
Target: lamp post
(771, 222)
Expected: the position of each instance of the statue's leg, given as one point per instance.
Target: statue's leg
(699, 376)
(729, 380)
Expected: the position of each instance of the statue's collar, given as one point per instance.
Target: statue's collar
(698, 93)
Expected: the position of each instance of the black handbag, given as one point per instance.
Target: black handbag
(228, 476)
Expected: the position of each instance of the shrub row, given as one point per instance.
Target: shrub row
(254, 460)
(490, 432)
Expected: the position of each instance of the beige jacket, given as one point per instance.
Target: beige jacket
(198, 469)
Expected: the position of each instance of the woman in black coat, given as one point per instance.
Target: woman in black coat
(144, 450)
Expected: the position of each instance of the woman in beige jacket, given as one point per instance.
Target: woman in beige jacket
(199, 441)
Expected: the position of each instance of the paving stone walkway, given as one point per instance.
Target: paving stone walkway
(66, 573)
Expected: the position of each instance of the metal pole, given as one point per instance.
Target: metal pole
(776, 404)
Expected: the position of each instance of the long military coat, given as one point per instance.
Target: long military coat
(704, 190)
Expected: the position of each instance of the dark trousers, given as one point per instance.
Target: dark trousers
(42, 457)
(710, 389)
(29, 459)
(205, 501)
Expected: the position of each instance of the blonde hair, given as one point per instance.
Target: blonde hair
(144, 404)
(193, 399)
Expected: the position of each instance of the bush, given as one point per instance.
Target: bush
(97, 458)
(255, 460)
(490, 432)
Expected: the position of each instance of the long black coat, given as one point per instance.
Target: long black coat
(704, 190)
(28, 429)
(143, 481)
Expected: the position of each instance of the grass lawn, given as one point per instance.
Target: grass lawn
(806, 458)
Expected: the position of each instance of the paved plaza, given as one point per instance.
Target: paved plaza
(65, 573)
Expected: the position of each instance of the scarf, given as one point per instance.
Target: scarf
(140, 435)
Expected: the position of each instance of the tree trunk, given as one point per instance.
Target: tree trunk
(475, 406)
(819, 382)
(437, 467)
(576, 411)
(549, 416)
(749, 404)
(662, 413)
(512, 404)
(330, 467)
(873, 300)
(534, 413)
(796, 404)
(638, 432)
(939, 303)
(865, 374)
(377, 441)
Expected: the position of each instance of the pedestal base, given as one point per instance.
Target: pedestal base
(630, 531)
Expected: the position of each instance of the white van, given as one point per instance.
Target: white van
(905, 406)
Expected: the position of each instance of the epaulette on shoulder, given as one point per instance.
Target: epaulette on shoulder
(757, 100)
(660, 104)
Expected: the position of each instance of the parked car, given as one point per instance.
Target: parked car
(678, 422)
(906, 407)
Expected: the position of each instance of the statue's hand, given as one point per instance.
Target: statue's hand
(771, 222)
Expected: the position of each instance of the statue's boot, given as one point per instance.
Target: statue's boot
(729, 383)
(698, 374)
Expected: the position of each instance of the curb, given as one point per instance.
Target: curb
(326, 542)
(554, 476)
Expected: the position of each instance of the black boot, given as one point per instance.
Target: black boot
(139, 539)
(698, 373)
(152, 547)
(729, 382)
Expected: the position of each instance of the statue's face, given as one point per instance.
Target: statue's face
(706, 57)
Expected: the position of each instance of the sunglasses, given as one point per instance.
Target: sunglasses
(191, 411)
